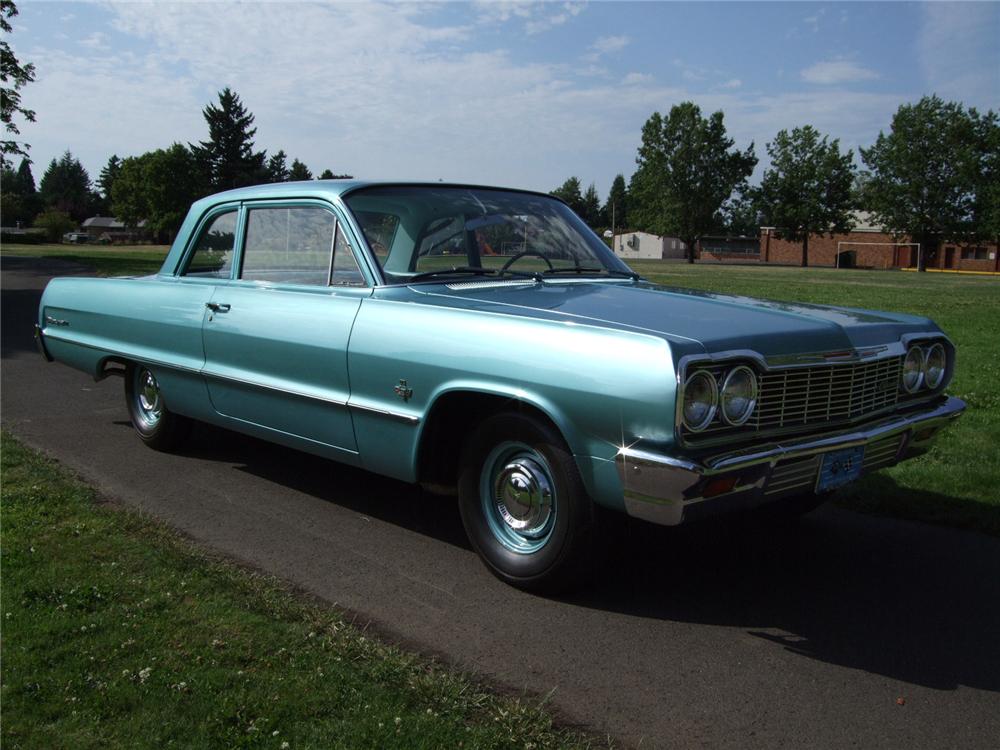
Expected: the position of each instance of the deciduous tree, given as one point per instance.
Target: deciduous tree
(14, 76)
(55, 223)
(158, 187)
(687, 168)
(808, 187)
(987, 201)
(924, 174)
(740, 215)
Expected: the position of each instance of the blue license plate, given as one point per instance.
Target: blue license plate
(840, 468)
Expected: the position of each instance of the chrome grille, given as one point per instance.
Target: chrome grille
(830, 393)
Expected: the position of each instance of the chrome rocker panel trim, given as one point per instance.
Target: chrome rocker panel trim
(660, 488)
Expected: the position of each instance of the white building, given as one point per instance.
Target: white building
(647, 246)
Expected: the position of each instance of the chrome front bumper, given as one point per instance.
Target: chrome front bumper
(664, 489)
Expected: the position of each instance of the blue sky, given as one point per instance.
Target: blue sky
(514, 93)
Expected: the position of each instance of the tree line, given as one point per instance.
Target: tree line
(934, 177)
(156, 187)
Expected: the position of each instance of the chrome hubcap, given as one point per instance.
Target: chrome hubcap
(524, 496)
(519, 498)
(149, 403)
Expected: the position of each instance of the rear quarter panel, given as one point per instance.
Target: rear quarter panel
(146, 320)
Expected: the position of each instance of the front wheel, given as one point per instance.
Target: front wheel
(524, 506)
(156, 426)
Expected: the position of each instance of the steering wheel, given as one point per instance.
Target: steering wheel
(514, 258)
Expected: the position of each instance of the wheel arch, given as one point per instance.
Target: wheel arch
(456, 410)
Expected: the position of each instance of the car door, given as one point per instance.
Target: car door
(276, 336)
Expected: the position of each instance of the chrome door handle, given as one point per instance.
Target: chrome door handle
(218, 307)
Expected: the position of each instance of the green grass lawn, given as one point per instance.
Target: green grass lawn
(958, 482)
(119, 634)
(106, 260)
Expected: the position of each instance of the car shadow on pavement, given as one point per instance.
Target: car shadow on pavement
(367, 494)
(917, 603)
(913, 602)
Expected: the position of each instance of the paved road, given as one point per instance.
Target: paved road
(700, 637)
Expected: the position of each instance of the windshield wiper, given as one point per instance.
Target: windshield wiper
(587, 269)
(469, 270)
(574, 269)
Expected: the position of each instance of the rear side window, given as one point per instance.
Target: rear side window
(213, 255)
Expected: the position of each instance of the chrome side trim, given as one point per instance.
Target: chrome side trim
(124, 355)
(277, 389)
(398, 416)
(658, 487)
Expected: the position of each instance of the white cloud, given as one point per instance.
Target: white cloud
(837, 71)
(732, 83)
(813, 21)
(635, 78)
(96, 41)
(382, 91)
(607, 44)
(537, 17)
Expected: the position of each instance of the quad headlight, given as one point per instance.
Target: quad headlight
(701, 399)
(739, 395)
(935, 364)
(913, 369)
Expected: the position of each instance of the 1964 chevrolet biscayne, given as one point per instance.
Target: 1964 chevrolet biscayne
(486, 340)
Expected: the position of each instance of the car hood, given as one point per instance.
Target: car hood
(719, 322)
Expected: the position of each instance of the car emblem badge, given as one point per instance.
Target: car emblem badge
(402, 390)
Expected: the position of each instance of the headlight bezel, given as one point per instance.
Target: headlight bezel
(937, 346)
(752, 401)
(917, 351)
(714, 407)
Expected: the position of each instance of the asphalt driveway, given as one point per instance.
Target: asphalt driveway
(712, 636)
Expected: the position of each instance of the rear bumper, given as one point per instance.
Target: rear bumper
(40, 343)
(664, 489)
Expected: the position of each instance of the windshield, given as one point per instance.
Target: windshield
(418, 232)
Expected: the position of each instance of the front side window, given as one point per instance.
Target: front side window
(213, 255)
(419, 230)
(345, 266)
(288, 245)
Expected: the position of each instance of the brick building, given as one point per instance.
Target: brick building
(868, 246)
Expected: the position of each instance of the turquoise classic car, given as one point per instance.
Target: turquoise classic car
(485, 341)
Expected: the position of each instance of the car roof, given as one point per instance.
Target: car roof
(329, 188)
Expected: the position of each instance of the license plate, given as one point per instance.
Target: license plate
(840, 468)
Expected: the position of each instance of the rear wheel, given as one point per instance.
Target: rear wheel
(156, 426)
(524, 506)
